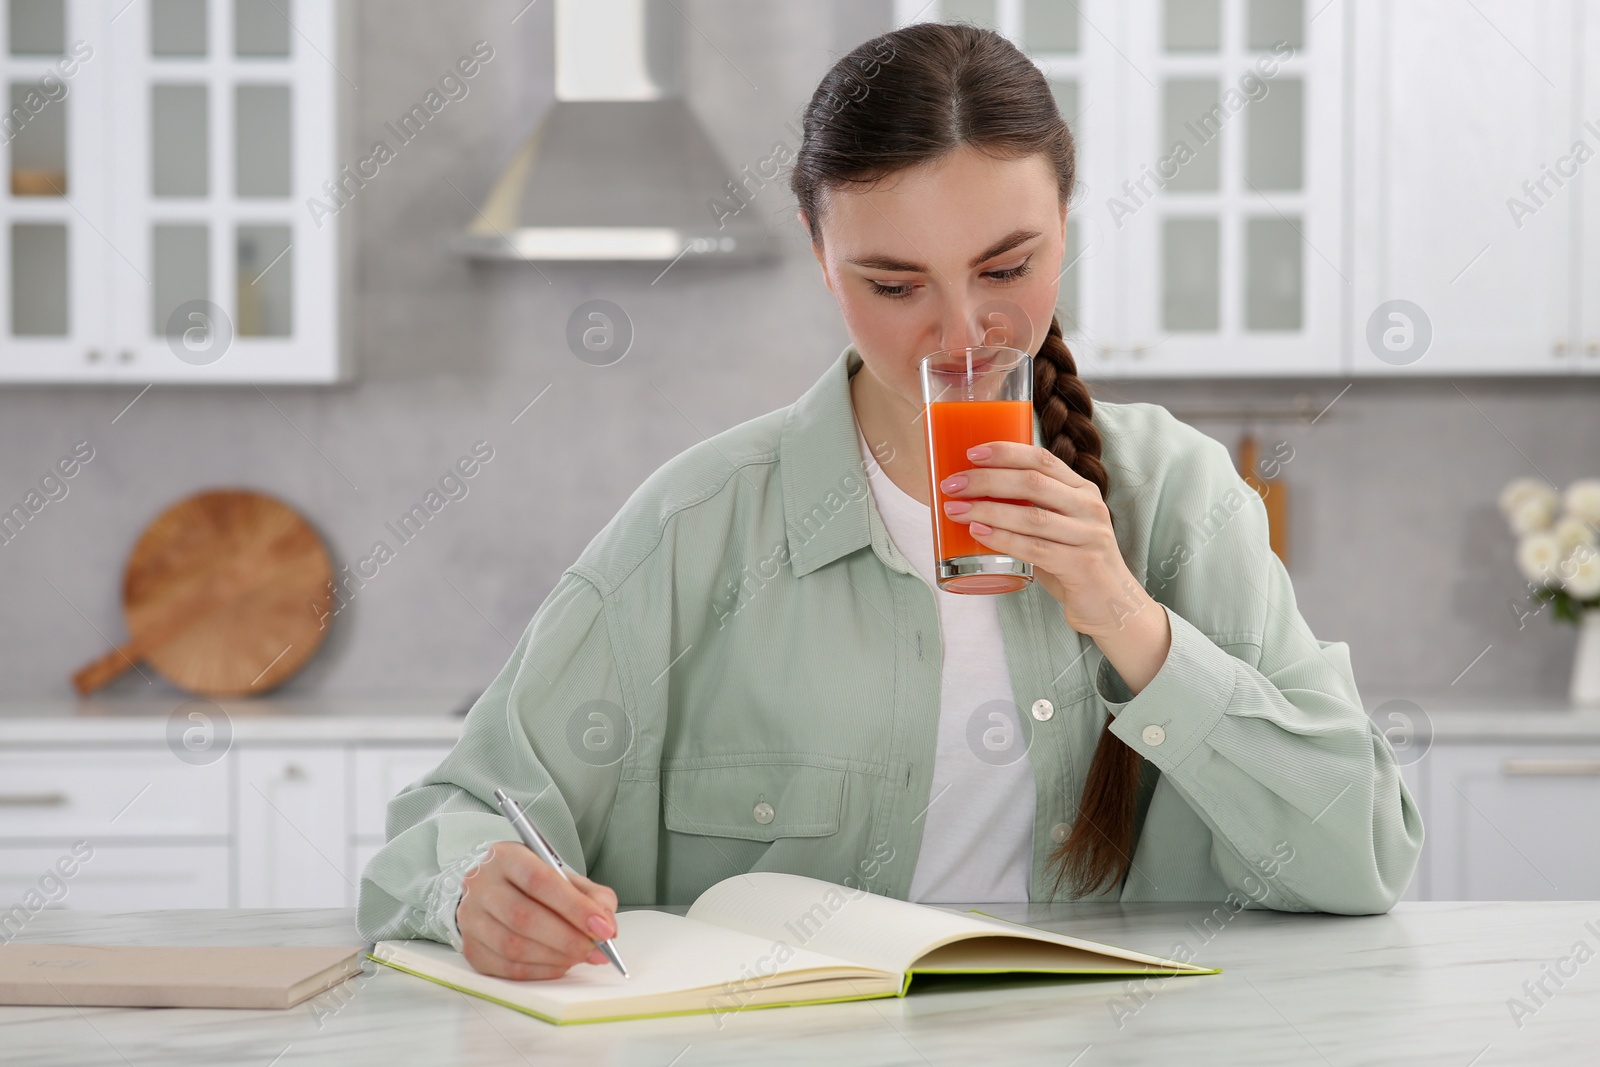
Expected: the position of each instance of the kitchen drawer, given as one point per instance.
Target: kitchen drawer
(106, 795)
(383, 772)
(110, 878)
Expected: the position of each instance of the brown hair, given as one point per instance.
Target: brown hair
(935, 87)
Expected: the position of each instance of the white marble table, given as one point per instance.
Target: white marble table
(1427, 983)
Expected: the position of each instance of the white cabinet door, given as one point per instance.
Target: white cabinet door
(224, 133)
(1207, 235)
(1514, 822)
(1463, 114)
(53, 207)
(1227, 214)
(1588, 314)
(380, 773)
(293, 828)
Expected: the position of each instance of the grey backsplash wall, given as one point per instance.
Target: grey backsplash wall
(1396, 546)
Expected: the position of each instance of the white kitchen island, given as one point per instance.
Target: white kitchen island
(1427, 983)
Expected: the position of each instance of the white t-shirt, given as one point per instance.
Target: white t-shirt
(977, 841)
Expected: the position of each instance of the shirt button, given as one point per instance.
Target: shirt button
(1043, 709)
(1058, 832)
(763, 813)
(1154, 735)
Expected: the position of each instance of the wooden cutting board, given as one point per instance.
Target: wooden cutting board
(225, 594)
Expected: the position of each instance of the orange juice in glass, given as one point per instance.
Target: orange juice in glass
(970, 396)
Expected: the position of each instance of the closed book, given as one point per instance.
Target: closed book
(146, 976)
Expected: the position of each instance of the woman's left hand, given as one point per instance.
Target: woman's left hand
(1065, 532)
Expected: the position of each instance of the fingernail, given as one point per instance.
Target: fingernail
(956, 507)
(599, 927)
(954, 484)
(979, 452)
(980, 528)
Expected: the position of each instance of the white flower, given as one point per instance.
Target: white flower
(1580, 573)
(1519, 489)
(1571, 532)
(1537, 557)
(1583, 500)
(1534, 512)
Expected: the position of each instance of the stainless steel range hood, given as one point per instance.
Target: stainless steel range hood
(620, 168)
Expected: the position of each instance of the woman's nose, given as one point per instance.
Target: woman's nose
(960, 327)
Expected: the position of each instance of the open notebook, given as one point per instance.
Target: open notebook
(766, 939)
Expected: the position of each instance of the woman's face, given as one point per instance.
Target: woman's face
(963, 251)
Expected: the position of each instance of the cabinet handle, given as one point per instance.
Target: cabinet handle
(126, 355)
(1559, 349)
(1552, 766)
(1593, 348)
(33, 800)
(92, 356)
(293, 772)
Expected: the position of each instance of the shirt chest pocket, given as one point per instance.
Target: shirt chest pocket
(755, 799)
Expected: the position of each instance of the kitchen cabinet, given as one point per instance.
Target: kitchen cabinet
(284, 817)
(1293, 188)
(1513, 821)
(1587, 340)
(293, 828)
(1207, 235)
(1468, 187)
(161, 218)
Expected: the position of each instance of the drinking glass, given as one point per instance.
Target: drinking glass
(970, 396)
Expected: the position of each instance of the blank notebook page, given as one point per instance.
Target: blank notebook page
(881, 932)
(664, 953)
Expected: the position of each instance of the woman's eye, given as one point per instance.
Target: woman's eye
(1012, 273)
(893, 292)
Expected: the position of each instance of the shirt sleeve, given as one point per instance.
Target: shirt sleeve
(550, 730)
(1257, 724)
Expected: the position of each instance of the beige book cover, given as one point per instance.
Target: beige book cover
(147, 976)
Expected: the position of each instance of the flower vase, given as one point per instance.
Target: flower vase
(1586, 660)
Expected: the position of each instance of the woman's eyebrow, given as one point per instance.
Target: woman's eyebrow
(1005, 244)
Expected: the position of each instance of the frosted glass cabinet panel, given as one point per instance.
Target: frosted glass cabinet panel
(157, 214)
(1064, 42)
(232, 136)
(53, 208)
(1206, 234)
(1226, 226)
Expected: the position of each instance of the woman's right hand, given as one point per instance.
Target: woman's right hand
(520, 919)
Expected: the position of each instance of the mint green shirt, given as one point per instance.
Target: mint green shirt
(741, 672)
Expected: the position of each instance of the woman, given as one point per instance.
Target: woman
(750, 668)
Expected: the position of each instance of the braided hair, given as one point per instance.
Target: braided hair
(906, 98)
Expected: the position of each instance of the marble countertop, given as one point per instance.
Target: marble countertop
(54, 721)
(1427, 983)
(258, 720)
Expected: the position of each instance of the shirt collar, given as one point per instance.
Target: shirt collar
(826, 501)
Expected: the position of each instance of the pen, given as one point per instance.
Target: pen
(535, 840)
